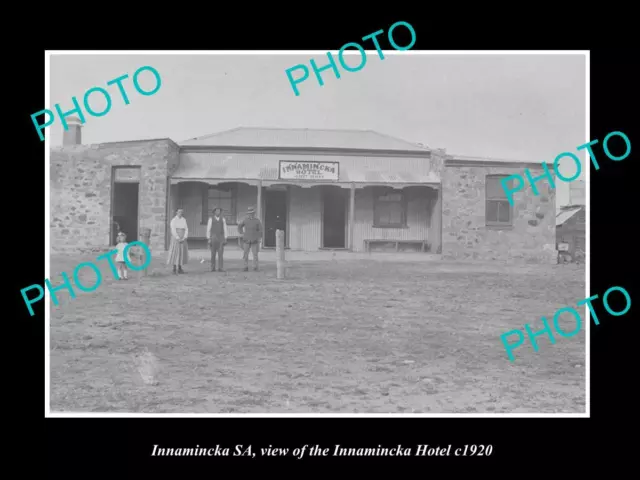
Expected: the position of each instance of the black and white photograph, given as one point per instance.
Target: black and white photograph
(285, 233)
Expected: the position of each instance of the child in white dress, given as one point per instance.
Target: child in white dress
(122, 266)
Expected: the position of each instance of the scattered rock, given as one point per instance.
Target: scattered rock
(148, 367)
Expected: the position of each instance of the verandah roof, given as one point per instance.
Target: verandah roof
(564, 215)
(216, 168)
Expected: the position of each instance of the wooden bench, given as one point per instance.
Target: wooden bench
(422, 243)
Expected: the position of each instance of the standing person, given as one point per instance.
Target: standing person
(121, 264)
(178, 250)
(217, 238)
(251, 230)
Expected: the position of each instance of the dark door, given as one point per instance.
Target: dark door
(275, 216)
(334, 218)
(125, 211)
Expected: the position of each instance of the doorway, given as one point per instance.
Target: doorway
(334, 218)
(275, 216)
(124, 210)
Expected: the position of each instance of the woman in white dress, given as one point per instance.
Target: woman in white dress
(178, 250)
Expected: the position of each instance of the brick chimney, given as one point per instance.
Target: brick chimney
(73, 135)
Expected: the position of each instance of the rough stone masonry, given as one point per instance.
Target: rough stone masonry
(465, 236)
(80, 216)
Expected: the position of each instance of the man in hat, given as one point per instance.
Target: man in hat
(250, 228)
(217, 238)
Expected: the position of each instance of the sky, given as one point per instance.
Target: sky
(522, 107)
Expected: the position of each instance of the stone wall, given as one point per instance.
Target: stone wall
(437, 160)
(531, 239)
(81, 192)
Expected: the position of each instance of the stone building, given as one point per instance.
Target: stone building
(570, 230)
(480, 224)
(327, 189)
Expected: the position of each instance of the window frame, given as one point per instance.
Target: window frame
(231, 217)
(381, 191)
(497, 199)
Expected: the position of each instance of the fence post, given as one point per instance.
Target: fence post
(280, 254)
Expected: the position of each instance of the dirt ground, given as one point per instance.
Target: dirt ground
(333, 337)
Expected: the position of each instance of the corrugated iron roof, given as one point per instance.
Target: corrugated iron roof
(265, 166)
(488, 159)
(304, 138)
(566, 214)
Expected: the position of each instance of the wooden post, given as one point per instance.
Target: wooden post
(436, 223)
(280, 253)
(145, 237)
(259, 210)
(352, 214)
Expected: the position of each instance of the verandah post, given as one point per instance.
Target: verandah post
(352, 214)
(259, 210)
(280, 254)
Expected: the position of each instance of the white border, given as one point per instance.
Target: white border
(49, 414)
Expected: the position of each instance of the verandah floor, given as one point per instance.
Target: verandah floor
(348, 336)
(269, 255)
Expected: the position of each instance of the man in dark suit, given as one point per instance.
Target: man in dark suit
(250, 228)
(217, 238)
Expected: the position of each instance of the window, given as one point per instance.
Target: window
(223, 197)
(390, 209)
(499, 212)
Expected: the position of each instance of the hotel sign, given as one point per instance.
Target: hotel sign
(327, 171)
